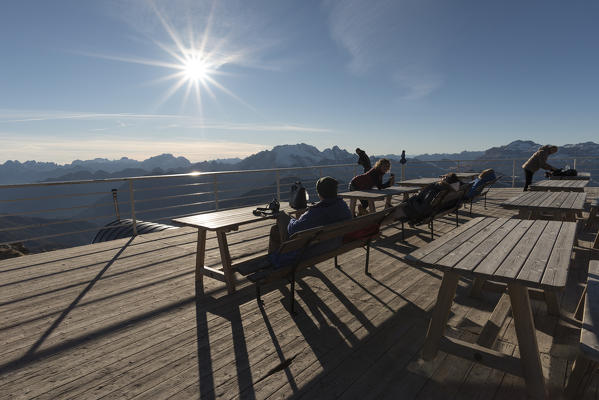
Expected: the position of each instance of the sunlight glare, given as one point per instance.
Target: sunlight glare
(195, 68)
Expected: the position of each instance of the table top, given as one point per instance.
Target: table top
(563, 185)
(376, 194)
(534, 253)
(466, 175)
(419, 182)
(222, 220)
(585, 176)
(558, 201)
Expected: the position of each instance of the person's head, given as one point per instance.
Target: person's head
(359, 151)
(552, 149)
(326, 187)
(452, 180)
(383, 164)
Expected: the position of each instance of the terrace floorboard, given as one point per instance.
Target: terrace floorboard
(120, 320)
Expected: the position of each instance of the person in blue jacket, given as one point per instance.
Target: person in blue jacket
(330, 209)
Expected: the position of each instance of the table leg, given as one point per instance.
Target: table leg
(477, 287)
(352, 206)
(436, 327)
(552, 302)
(371, 206)
(225, 256)
(200, 257)
(527, 341)
(388, 201)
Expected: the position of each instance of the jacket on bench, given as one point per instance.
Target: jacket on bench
(325, 212)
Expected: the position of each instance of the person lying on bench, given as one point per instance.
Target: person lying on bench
(424, 203)
(477, 185)
(330, 209)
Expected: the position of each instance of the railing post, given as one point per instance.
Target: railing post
(216, 192)
(574, 164)
(458, 165)
(132, 202)
(278, 186)
(116, 203)
(403, 172)
(514, 173)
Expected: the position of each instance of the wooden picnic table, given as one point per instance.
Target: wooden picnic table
(418, 182)
(220, 222)
(466, 175)
(422, 182)
(580, 176)
(376, 195)
(521, 253)
(560, 185)
(555, 205)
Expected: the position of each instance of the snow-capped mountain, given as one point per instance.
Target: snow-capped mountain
(295, 155)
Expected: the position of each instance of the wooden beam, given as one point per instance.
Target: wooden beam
(488, 357)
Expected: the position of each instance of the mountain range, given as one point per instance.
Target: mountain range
(297, 155)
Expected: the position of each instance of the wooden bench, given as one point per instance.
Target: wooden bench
(592, 214)
(588, 349)
(451, 203)
(355, 233)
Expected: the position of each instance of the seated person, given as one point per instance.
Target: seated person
(330, 209)
(477, 185)
(423, 204)
(370, 179)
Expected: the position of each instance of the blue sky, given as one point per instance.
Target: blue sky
(83, 79)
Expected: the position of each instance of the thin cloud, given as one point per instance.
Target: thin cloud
(173, 121)
(380, 41)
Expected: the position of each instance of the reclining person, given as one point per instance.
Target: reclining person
(330, 209)
(423, 204)
(483, 178)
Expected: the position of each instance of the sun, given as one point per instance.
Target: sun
(195, 68)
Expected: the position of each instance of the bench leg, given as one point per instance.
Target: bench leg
(471, 207)
(580, 307)
(336, 263)
(403, 236)
(527, 341)
(292, 294)
(485, 201)
(457, 217)
(436, 327)
(582, 367)
(432, 231)
(367, 258)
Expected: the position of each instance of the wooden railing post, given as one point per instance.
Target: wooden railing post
(574, 164)
(514, 173)
(403, 172)
(132, 203)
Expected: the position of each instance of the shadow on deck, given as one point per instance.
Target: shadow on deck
(121, 319)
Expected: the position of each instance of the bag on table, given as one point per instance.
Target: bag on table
(298, 197)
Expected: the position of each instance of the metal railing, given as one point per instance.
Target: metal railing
(51, 215)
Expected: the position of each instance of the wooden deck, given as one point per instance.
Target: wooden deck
(120, 320)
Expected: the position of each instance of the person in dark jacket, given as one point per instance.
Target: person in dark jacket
(422, 205)
(370, 179)
(363, 159)
(537, 161)
(330, 209)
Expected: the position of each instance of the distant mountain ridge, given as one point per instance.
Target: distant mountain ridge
(282, 156)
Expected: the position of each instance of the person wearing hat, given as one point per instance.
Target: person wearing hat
(330, 209)
(536, 161)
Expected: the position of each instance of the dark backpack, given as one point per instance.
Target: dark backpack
(297, 196)
(564, 172)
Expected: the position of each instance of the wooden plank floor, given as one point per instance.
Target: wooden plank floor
(120, 320)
